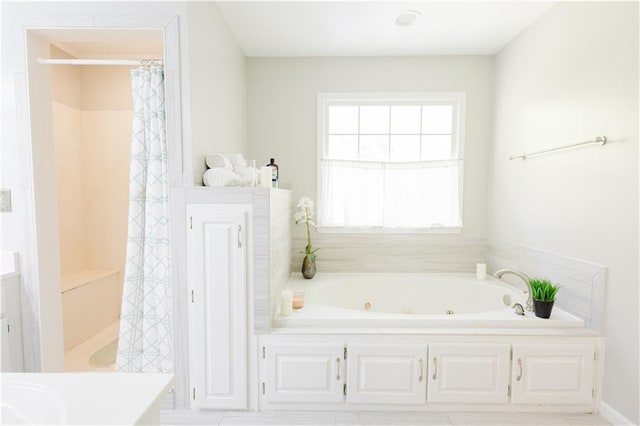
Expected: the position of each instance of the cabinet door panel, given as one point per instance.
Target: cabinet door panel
(468, 373)
(312, 373)
(553, 374)
(217, 316)
(389, 374)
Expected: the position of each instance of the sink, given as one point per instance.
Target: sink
(31, 403)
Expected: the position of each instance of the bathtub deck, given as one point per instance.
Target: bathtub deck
(77, 359)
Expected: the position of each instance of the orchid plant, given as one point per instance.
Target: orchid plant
(304, 215)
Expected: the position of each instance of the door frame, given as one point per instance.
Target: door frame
(34, 212)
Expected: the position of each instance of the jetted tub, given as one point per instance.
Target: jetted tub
(412, 300)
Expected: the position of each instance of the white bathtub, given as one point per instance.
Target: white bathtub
(416, 300)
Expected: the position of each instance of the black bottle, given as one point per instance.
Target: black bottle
(275, 177)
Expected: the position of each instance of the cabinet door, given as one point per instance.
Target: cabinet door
(469, 373)
(217, 259)
(553, 374)
(386, 374)
(11, 346)
(304, 373)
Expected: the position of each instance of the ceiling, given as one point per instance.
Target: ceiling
(107, 43)
(337, 28)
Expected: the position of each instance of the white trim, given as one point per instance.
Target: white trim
(458, 99)
(613, 416)
(380, 230)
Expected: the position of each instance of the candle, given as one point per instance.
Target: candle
(286, 302)
(298, 300)
(481, 271)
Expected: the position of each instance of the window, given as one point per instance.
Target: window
(390, 161)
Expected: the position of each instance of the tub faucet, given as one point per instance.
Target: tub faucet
(524, 277)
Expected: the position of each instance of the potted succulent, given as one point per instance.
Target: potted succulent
(543, 293)
(304, 215)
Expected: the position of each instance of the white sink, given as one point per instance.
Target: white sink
(30, 403)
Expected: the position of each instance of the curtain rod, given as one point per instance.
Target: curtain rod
(601, 140)
(138, 62)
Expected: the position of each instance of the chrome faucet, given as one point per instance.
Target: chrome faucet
(524, 277)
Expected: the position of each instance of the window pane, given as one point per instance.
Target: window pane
(374, 148)
(343, 147)
(343, 119)
(405, 148)
(374, 119)
(405, 119)
(437, 119)
(436, 147)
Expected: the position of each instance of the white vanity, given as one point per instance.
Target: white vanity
(83, 398)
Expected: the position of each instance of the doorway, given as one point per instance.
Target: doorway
(91, 115)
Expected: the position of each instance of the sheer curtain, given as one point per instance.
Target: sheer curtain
(145, 343)
(391, 195)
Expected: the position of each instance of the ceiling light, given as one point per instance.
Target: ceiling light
(407, 18)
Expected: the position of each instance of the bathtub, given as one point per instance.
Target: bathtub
(415, 300)
(91, 302)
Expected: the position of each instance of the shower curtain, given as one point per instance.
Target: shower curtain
(145, 343)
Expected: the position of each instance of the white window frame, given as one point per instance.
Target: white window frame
(458, 99)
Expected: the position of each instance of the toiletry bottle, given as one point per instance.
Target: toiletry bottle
(274, 173)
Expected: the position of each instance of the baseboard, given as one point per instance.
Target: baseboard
(613, 416)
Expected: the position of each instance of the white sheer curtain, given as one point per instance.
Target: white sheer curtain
(145, 343)
(390, 195)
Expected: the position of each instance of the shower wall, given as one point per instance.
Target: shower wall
(92, 116)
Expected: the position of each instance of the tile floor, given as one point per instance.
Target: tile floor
(392, 418)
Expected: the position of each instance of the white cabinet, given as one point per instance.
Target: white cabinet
(469, 373)
(553, 374)
(304, 373)
(10, 327)
(386, 374)
(217, 273)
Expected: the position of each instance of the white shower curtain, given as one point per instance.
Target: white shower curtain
(145, 343)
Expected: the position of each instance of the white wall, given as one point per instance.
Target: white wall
(282, 97)
(218, 86)
(571, 76)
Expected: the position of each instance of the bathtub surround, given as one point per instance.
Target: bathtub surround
(392, 253)
(549, 92)
(92, 113)
(280, 247)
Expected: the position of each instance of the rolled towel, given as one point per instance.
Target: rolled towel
(237, 160)
(248, 175)
(220, 176)
(215, 161)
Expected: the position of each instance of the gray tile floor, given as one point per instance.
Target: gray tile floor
(391, 418)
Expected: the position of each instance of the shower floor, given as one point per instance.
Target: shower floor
(96, 353)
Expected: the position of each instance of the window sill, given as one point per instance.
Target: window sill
(380, 230)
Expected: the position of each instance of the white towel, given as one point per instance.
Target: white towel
(237, 160)
(220, 176)
(218, 161)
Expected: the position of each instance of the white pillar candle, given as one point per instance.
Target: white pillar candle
(286, 302)
(265, 176)
(481, 271)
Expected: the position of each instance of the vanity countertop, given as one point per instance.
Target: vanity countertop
(83, 398)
